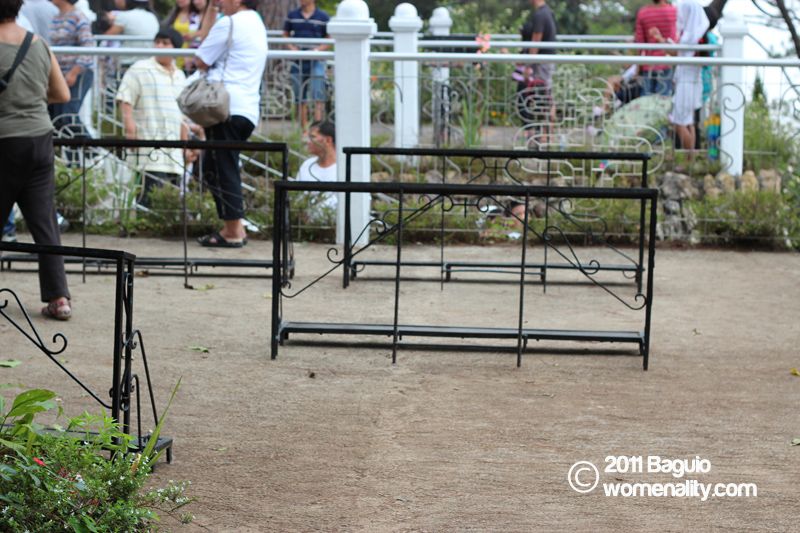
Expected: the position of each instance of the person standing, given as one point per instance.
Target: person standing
(308, 76)
(661, 16)
(147, 97)
(71, 28)
(26, 149)
(240, 67)
(134, 19)
(692, 26)
(40, 13)
(185, 19)
(534, 97)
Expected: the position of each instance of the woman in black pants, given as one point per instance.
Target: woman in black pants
(234, 52)
(26, 162)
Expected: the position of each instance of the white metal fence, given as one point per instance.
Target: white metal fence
(449, 95)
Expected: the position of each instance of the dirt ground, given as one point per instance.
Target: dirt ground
(334, 438)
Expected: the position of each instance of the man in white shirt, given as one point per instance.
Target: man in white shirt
(320, 167)
(147, 98)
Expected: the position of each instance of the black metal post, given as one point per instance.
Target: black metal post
(287, 225)
(546, 225)
(522, 281)
(116, 371)
(277, 273)
(651, 255)
(185, 221)
(640, 266)
(347, 226)
(83, 211)
(125, 403)
(397, 279)
(441, 232)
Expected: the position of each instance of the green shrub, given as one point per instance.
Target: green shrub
(60, 479)
(69, 193)
(768, 143)
(743, 217)
(164, 216)
(586, 222)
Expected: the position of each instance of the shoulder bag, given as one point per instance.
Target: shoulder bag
(207, 103)
(23, 49)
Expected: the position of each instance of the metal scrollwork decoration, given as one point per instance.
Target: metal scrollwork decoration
(29, 330)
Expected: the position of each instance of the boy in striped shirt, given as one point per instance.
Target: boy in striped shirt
(147, 97)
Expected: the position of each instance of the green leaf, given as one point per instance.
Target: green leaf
(30, 409)
(12, 445)
(796, 442)
(206, 287)
(10, 363)
(201, 349)
(794, 372)
(147, 453)
(32, 401)
(7, 472)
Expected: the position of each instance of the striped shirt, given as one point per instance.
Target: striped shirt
(152, 91)
(71, 29)
(314, 27)
(664, 17)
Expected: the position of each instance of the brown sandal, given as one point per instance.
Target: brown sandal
(58, 309)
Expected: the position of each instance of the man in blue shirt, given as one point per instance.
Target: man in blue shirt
(308, 76)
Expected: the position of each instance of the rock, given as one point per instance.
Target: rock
(710, 188)
(380, 176)
(672, 207)
(727, 182)
(405, 177)
(676, 186)
(770, 180)
(749, 181)
(679, 221)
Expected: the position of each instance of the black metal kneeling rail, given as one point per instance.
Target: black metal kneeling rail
(85, 154)
(124, 382)
(512, 167)
(465, 197)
